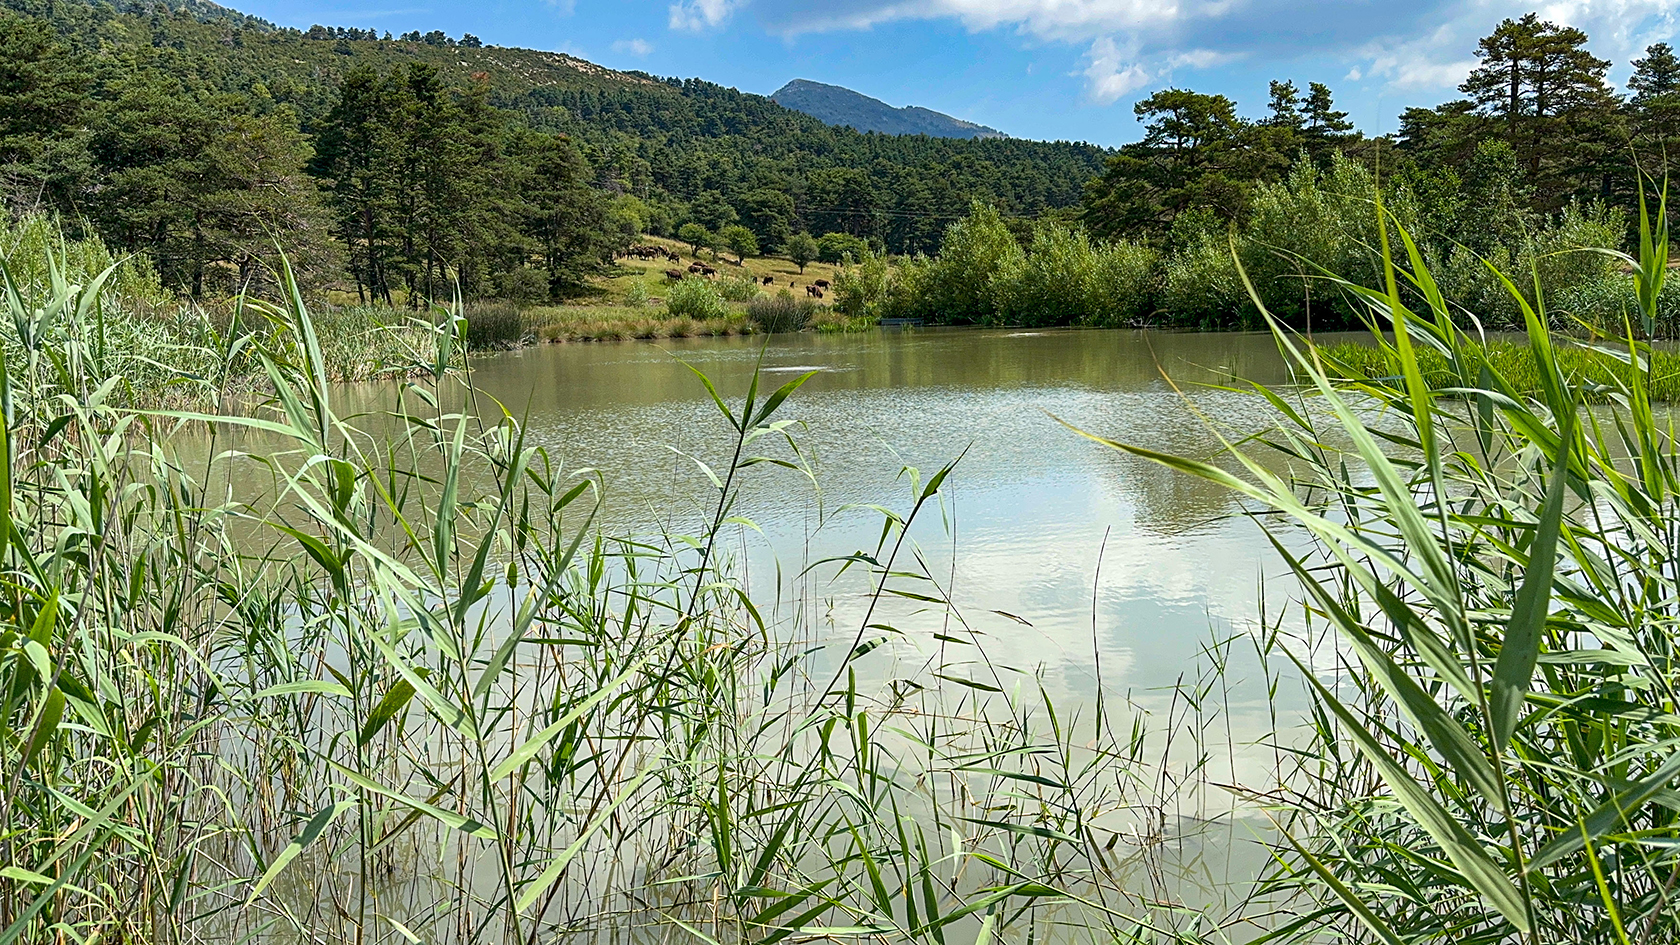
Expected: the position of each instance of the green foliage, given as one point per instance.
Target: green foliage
(1201, 288)
(32, 244)
(957, 287)
(836, 247)
(696, 236)
(737, 288)
(861, 288)
(44, 100)
(1498, 655)
(1123, 285)
(1593, 371)
(740, 241)
(802, 250)
(694, 298)
(781, 312)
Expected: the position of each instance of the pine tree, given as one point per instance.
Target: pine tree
(353, 153)
(1540, 82)
(43, 100)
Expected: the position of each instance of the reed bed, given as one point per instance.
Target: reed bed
(611, 323)
(1595, 369)
(1493, 751)
(408, 691)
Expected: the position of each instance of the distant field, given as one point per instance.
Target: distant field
(651, 273)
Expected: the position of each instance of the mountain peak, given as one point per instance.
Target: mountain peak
(842, 106)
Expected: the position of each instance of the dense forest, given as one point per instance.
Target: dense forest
(197, 134)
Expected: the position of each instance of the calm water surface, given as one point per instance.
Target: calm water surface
(1106, 559)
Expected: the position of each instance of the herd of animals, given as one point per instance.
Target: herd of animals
(815, 290)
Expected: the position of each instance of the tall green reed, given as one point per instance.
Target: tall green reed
(1492, 751)
(272, 673)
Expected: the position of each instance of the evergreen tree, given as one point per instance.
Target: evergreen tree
(1284, 109)
(43, 102)
(1655, 108)
(1538, 80)
(353, 154)
(564, 216)
(1195, 154)
(1326, 129)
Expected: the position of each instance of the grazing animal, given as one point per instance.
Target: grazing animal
(674, 273)
(819, 293)
(696, 268)
(768, 280)
(812, 291)
(821, 283)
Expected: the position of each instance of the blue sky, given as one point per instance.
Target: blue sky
(1049, 69)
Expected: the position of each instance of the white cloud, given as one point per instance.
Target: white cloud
(699, 15)
(1112, 73)
(1424, 46)
(635, 47)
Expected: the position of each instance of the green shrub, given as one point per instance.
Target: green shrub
(959, 286)
(1123, 285)
(637, 295)
(1201, 289)
(860, 289)
(1050, 284)
(781, 312)
(737, 288)
(694, 298)
(25, 245)
(835, 247)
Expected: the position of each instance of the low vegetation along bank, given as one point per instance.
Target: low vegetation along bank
(407, 690)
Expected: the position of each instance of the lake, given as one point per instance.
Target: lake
(1033, 513)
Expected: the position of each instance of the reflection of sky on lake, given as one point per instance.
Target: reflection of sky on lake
(1028, 514)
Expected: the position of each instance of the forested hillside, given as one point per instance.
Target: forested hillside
(197, 134)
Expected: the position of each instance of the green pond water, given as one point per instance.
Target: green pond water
(1107, 560)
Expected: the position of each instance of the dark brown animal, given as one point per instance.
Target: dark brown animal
(821, 283)
(768, 280)
(696, 268)
(674, 273)
(811, 291)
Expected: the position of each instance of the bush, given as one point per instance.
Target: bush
(1124, 283)
(781, 312)
(637, 295)
(738, 288)
(958, 287)
(696, 299)
(1201, 289)
(26, 242)
(835, 247)
(1050, 285)
(860, 290)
